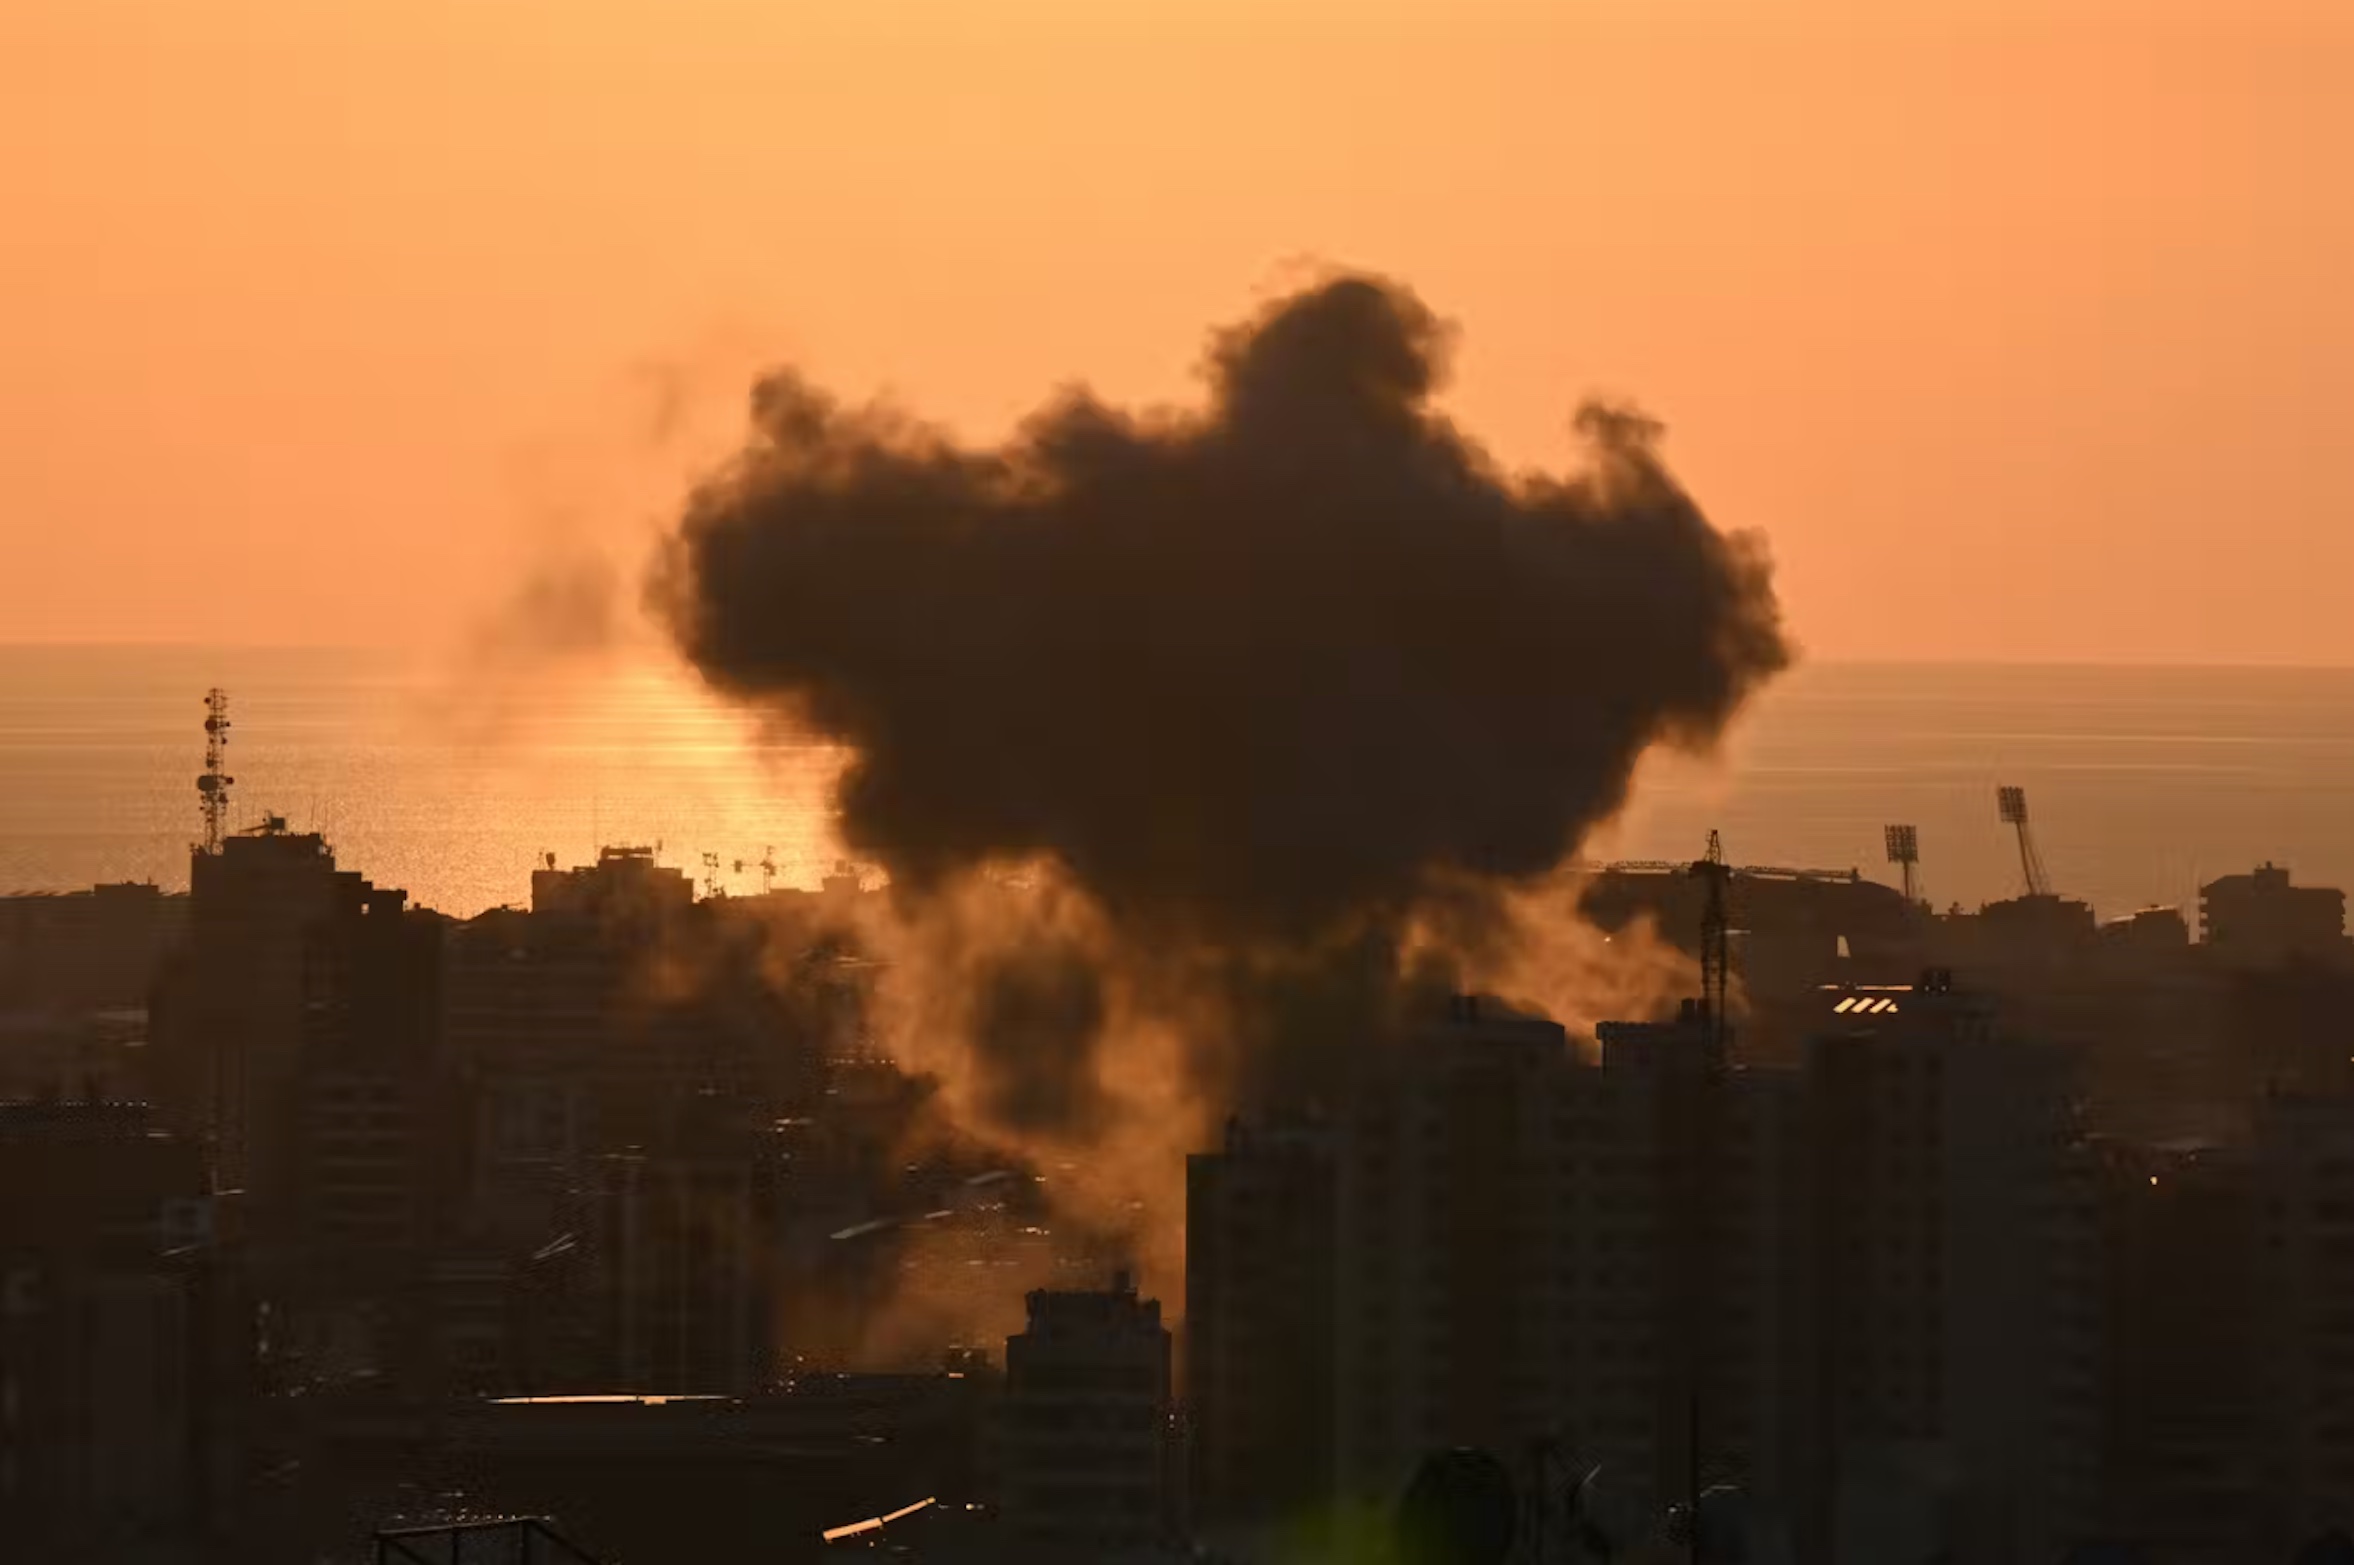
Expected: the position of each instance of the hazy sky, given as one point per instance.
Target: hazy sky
(2024, 327)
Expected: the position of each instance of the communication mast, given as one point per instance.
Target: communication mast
(2013, 804)
(1715, 944)
(1904, 851)
(212, 789)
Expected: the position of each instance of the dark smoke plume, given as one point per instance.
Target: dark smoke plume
(1286, 710)
(1280, 671)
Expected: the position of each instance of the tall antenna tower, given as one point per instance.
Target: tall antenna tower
(1904, 851)
(2013, 804)
(1715, 944)
(212, 789)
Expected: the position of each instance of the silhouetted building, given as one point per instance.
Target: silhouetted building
(120, 1378)
(1453, 1231)
(2187, 1465)
(231, 1004)
(2019, 938)
(1531, 1253)
(294, 1040)
(1085, 1457)
(373, 1143)
(2303, 1155)
(1818, 1284)
(682, 1245)
(2286, 1031)
(1718, 1158)
(1959, 1283)
(580, 1029)
(1260, 1242)
(86, 950)
(2260, 920)
(624, 885)
(2150, 935)
(1799, 927)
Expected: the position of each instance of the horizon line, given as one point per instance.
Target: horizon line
(1799, 666)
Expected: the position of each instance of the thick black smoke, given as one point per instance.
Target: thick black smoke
(1257, 676)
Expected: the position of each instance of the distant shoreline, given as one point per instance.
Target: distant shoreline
(445, 655)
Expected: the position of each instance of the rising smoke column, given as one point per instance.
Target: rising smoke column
(1268, 683)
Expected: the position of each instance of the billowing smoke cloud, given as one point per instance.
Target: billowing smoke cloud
(1250, 672)
(1283, 687)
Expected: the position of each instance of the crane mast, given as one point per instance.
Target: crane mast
(1715, 945)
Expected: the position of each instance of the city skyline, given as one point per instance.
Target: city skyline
(1255, 782)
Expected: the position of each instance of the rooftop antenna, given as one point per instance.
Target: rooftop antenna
(2013, 804)
(1904, 851)
(711, 875)
(212, 789)
(766, 866)
(1715, 944)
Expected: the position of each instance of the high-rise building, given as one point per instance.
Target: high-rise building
(120, 1378)
(1260, 1401)
(296, 1040)
(535, 1012)
(2303, 1155)
(1956, 1235)
(1457, 1247)
(1085, 1454)
(1721, 1159)
(230, 1006)
(1648, 1257)
(581, 1028)
(681, 1237)
(2187, 1461)
(1560, 1258)
(295, 1030)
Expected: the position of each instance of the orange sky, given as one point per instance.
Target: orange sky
(2025, 327)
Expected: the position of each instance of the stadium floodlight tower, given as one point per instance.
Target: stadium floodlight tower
(1904, 851)
(2013, 804)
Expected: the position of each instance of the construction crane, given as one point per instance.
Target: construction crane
(1715, 945)
(1701, 1171)
(2012, 802)
(767, 867)
(1833, 877)
(1904, 851)
(212, 789)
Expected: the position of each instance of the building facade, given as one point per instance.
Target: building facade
(121, 1379)
(1084, 1462)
